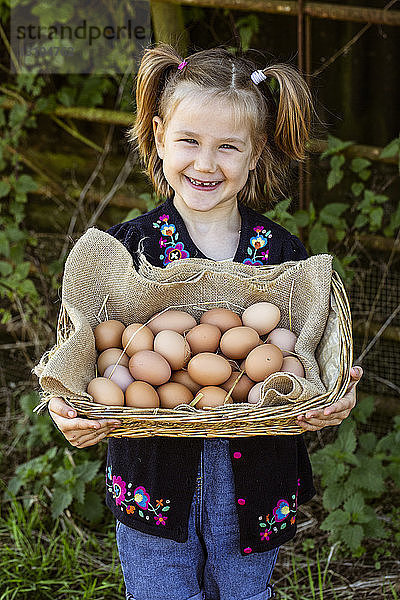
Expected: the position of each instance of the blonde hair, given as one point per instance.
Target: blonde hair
(279, 127)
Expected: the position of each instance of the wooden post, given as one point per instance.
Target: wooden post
(168, 25)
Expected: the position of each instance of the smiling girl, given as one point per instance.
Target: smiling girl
(204, 518)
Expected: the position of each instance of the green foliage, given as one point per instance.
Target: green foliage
(356, 471)
(150, 202)
(41, 562)
(360, 210)
(58, 477)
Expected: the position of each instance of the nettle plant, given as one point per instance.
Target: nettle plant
(327, 229)
(16, 285)
(359, 475)
(60, 477)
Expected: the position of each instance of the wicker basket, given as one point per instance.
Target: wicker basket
(231, 420)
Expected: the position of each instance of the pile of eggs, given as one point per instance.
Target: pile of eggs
(172, 360)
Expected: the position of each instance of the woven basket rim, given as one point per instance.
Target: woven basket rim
(229, 420)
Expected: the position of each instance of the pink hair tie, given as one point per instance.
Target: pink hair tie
(182, 65)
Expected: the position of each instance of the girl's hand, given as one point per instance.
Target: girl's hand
(334, 414)
(79, 432)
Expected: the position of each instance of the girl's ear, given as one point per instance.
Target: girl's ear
(158, 131)
(254, 160)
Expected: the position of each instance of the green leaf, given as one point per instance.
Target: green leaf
(364, 409)
(27, 288)
(4, 188)
(333, 496)
(391, 149)
(335, 145)
(92, 509)
(132, 214)
(359, 164)
(355, 504)
(337, 518)
(61, 500)
(337, 162)
(364, 175)
(375, 218)
(346, 437)
(368, 476)
(22, 270)
(393, 471)
(15, 484)
(360, 221)
(367, 442)
(5, 268)
(25, 184)
(352, 535)
(78, 490)
(335, 176)
(302, 218)
(334, 209)
(165, 508)
(357, 188)
(88, 470)
(318, 239)
(17, 115)
(4, 245)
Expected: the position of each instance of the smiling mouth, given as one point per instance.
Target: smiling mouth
(203, 184)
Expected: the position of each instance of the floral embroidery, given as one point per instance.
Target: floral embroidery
(141, 497)
(280, 513)
(137, 501)
(174, 250)
(258, 256)
(119, 489)
(160, 519)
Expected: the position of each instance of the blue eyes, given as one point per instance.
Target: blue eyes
(191, 140)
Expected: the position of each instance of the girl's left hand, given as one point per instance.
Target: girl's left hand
(334, 414)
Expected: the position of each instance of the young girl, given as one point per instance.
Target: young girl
(204, 518)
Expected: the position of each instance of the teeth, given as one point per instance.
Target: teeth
(208, 184)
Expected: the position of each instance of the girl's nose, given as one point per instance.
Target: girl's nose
(205, 161)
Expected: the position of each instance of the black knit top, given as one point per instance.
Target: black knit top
(151, 481)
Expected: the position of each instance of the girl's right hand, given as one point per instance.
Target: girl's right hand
(79, 432)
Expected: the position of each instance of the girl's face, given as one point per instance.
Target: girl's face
(206, 159)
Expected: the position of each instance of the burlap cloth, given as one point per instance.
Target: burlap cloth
(100, 266)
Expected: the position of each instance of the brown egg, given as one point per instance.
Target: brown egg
(105, 391)
(184, 378)
(143, 340)
(262, 316)
(177, 320)
(108, 334)
(262, 361)
(223, 318)
(255, 393)
(207, 368)
(172, 394)
(140, 394)
(242, 387)
(291, 364)
(119, 375)
(204, 338)
(238, 341)
(150, 367)
(173, 347)
(110, 357)
(284, 339)
(212, 396)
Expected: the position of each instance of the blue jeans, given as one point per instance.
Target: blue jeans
(209, 565)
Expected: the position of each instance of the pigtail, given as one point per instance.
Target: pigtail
(293, 119)
(157, 65)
